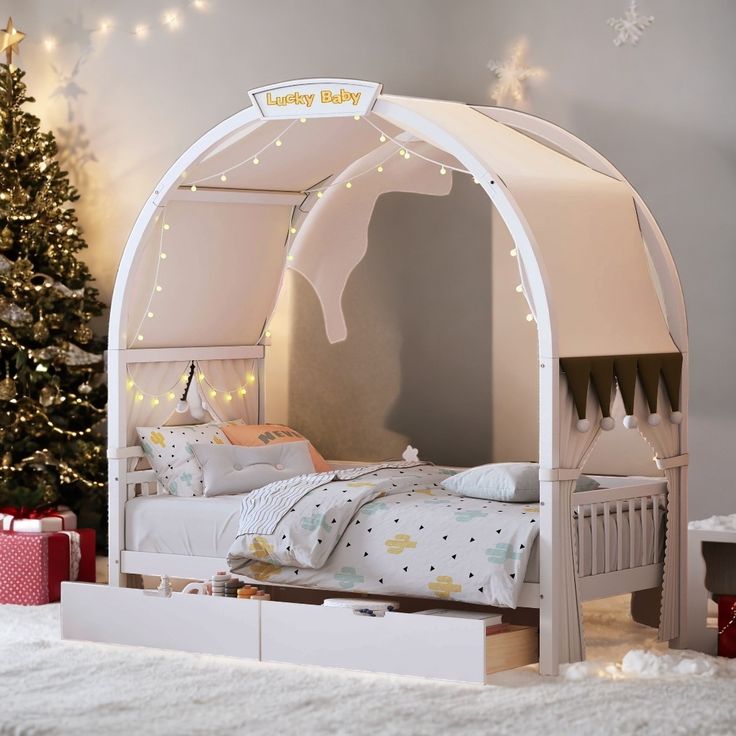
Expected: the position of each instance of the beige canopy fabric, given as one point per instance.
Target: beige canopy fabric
(598, 288)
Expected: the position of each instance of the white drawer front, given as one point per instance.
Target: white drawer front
(400, 643)
(191, 623)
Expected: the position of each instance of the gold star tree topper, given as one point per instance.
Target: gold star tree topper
(512, 74)
(9, 40)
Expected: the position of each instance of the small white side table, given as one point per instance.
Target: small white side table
(699, 636)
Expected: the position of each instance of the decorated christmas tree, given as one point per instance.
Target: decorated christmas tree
(52, 391)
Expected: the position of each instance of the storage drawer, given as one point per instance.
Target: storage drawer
(400, 643)
(191, 623)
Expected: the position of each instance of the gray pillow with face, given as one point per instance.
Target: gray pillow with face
(510, 482)
(228, 469)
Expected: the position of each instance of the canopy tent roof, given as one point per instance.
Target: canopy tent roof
(285, 185)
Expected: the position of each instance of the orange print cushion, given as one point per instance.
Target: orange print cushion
(258, 435)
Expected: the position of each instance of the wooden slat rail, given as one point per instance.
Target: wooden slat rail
(603, 510)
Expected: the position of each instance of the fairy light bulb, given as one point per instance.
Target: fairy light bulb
(213, 393)
(105, 26)
(475, 181)
(349, 185)
(193, 187)
(154, 402)
(223, 178)
(513, 252)
(49, 43)
(140, 338)
(268, 333)
(150, 315)
(201, 376)
(402, 152)
(292, 230)
(380, 169)
(184, 378)
(171, 396)
(251, 378)
(320, 195)
(290, 257)
(302, 120)
(228, 397)
(242, 391)
(256, 161)
(443, 170)
(382, 138)
(519, 289)
(407, 155)
(130, 383)
(159, 288)
(530, 318)
(279, 143)
(163, 256)
(139, 396)
(167, 226)
(141, 30)
(356, 117)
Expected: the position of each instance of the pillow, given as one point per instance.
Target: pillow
(510, 482)
(168, 449)
(258, 435)
(232, 469)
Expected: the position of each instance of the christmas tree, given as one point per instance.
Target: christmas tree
(52, 391)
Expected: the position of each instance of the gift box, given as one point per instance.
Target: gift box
(33, 565)
(44, 519)
(727, 626)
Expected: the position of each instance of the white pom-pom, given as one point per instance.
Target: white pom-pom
(630, 421)
(583, 425)
(654, 420)
(676, 417)
(607, 424)
(182, 407)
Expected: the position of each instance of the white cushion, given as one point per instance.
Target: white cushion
(168, 449)
(236, 469)
(509, 482)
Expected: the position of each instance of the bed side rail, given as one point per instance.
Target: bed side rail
(625, 530)
(136, 482)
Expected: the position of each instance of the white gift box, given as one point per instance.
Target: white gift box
(64, 519)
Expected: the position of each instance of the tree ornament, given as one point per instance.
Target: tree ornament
(11, 38)
(47, 396)
(85, 389)
(8, 388)
(55, 320)
(7, 460)
(14, 315)
(40, 331)
(83, 334)
(6, 238)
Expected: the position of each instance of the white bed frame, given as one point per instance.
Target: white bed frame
(642, 500)
(550, 594)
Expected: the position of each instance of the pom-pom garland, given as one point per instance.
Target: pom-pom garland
(607, 424)
(676, 417)
(583, 425)
(654, 420)
(630, 421)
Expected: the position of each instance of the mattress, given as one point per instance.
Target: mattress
(206, 527)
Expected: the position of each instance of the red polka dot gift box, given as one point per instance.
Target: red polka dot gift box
(33, 565)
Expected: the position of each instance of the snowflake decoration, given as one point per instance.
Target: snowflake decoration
(631, 27)
(512, 74)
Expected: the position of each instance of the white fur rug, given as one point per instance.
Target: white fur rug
(52, 687)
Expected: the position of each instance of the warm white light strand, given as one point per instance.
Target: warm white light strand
(160, 257)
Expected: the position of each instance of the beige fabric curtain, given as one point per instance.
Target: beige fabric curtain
(575, 447)
(148, 401)
(220, 388)
(665, 441)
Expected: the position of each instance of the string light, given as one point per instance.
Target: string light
(379, 169)
(530, 318)
(223, 178)
(513, 252)
(349, 185)
(49, 43)
(278, 143)
(141, 30)
(519, 289)
(105, 26)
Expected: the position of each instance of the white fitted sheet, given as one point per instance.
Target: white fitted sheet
(206, 527)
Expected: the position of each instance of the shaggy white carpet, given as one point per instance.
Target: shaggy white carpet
(52, 687)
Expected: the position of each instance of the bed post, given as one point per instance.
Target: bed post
(117, 490)
(550, 547)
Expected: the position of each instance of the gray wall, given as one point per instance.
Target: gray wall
(416, 364)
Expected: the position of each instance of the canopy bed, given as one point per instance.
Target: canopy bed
(291, 182)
